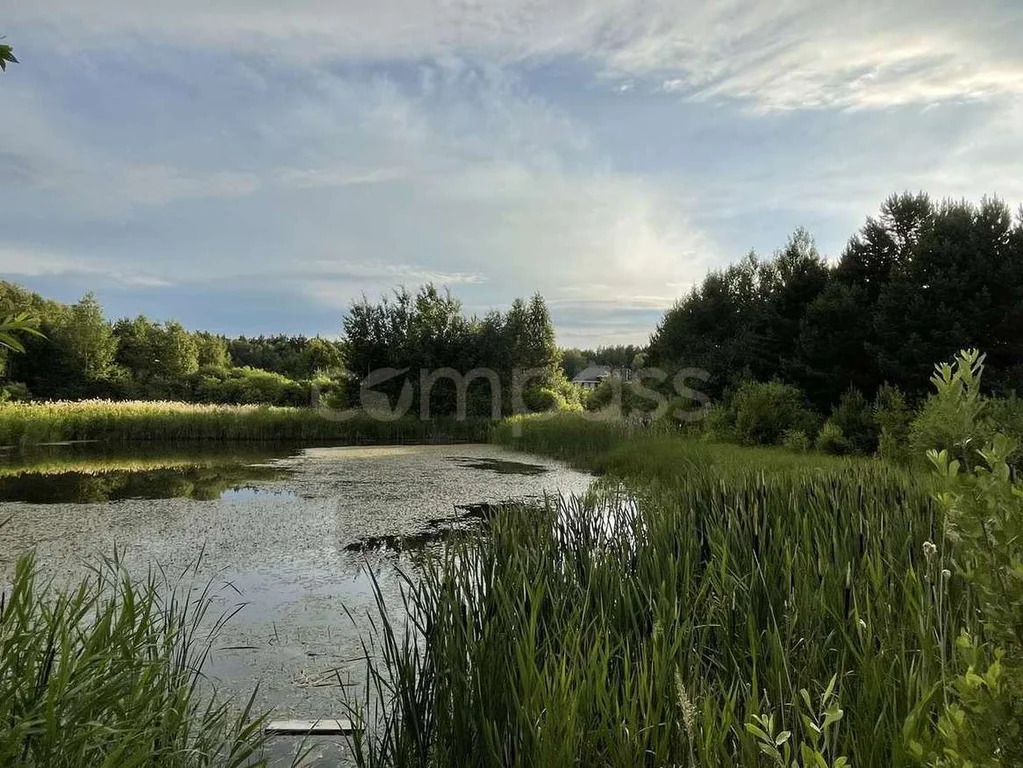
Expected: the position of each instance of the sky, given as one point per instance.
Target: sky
(253, 166)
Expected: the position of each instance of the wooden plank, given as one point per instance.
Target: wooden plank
(322, 727)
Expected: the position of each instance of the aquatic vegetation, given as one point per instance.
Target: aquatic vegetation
(29, 423)
(651, 628)
(106, 673)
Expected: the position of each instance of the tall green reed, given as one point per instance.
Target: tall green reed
(107, 673)
(649, 628)
(28, 423)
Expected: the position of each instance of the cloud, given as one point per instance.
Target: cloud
(305, 178)
(312, 151)
(20, 262)
(795, 54)
(457, 174)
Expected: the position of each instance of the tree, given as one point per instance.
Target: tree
(176, 350)
(212, 350)
(322, 355)
(85, 340)
(136, 348)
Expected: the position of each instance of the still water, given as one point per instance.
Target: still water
(293, 535)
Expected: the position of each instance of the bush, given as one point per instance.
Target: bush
(720, 424)
(892, 417)
(854, 417)
(978, 720)
(14, 392)
(1006, 416)
(832, 440)
(955, 418)
(622, 396)
(796, 440)
(249, 386)
(543, 399)
(764, 411)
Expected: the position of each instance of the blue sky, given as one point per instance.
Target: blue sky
(251, 167)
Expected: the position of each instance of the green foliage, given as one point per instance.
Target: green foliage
(428, 332)
(954, 418)
(85, 340)
(892, 417)
(296, 357)
(621, 356)
(916, 283)
(764, 411)
(980, 720)
(796, 440)
(744, 322)
(11, 327)
(137, 358)
(855, 418)
(699, 586)
(249, 385)
(15, 391)
(31, 423)
(6, 56)
(211, 350)
(820, 724)
(107, 673)
(621, 397)
(831, 439)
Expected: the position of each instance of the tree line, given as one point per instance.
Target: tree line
(428, 331)
(78, 353)
(75, 352)
(917, 283)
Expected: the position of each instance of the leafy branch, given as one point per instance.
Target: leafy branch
(6, 55)
(23, 323)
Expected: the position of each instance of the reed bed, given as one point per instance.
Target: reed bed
(107, 674)
(650, 627)
(131, 421)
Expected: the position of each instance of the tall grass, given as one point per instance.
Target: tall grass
(107, 674)
(32, 423)
(648, 628)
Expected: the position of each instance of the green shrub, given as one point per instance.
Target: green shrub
(249, 386)
(955, 417)
(853, 415)
(763, 411)
(796, 440)
(978, 722)
(1006, 416)
(832, 440)
(14, 392)
(719, 424)
(892, 417)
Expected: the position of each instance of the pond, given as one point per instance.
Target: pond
(293, 535)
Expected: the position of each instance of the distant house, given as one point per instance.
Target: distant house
(591, 376)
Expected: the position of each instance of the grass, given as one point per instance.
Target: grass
(107, 674)
(657, 453)
(35, 423)
(650, 625)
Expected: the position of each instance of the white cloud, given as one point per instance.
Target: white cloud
(783, 55)
(21, 262)
(428, 159)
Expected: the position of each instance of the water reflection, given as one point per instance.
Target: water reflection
(94, 473)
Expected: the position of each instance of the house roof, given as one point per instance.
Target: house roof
(592, 373)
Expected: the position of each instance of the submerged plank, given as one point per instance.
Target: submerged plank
(322, 727)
